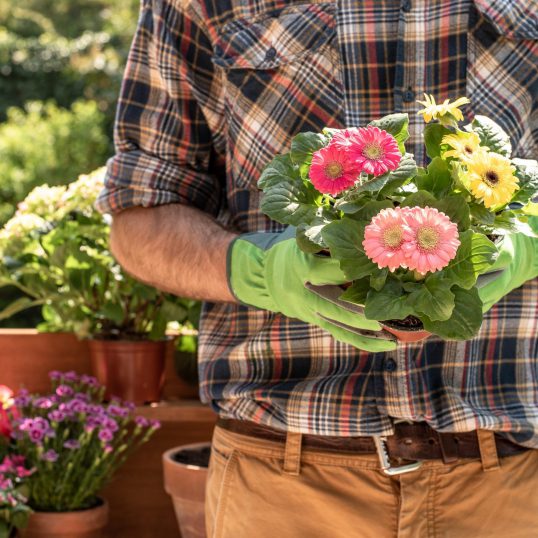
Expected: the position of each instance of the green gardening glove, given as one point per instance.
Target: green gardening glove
(269, 271)
(517, 263)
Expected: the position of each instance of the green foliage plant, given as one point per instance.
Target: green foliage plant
(56, 250)
(45, 142)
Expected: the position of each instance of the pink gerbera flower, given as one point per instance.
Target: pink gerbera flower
(342, 138)
(374, 150)
(332, 171)
(430, 239)
(384, 238)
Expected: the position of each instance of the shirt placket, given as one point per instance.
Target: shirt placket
(409, 81)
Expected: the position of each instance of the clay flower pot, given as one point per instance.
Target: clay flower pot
(408, 334)
(131, 370)
(185, 476)
(77, 524)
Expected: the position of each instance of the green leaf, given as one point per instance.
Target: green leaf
(456, 208)
(365, 211)
(433, 134)
(475, 255)
(309, 237)
(527, 173)
(289, 203)
(466, 318)
(113, 312)
(304, 145)
(492, 135)
(433, 298)
(357, 292)
(377, 281)
(387, 303)
(530, 209)
(437, 180)
(279, 170)
(19, 305)
(419, 199)
(509, 222)
(344, 239)
(397, 125)
(481, 214)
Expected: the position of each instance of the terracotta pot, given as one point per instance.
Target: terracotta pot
(185, 476)
(131, 370)
(27, 357)
(407, 335)
(77, 524)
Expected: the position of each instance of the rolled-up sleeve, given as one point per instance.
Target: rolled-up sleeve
(167, 114)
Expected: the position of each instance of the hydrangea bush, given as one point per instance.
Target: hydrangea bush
(55, 249)
(73, 441)
(412, 241)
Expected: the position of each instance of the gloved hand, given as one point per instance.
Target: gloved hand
(517, 263)
(269, 271)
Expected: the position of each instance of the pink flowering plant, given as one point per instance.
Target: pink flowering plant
(74, 441)
(412, 241)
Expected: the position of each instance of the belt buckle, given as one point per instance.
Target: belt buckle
(386, 466)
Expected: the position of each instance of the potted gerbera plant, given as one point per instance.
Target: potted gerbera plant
(412, 241)
(55, 249)
(74, 443)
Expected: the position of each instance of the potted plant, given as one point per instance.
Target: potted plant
(55, 250)
(414, 243)
(185, 476)
(74, 444)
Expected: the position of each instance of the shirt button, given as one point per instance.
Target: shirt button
(406, 6)
(408, 96)
(270, 54)
(390, 365)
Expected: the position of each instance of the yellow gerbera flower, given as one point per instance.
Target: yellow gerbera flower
(437, 112)
(491, 178)
(464, 145)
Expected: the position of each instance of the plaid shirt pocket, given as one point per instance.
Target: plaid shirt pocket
(282, 76)
(502, 79)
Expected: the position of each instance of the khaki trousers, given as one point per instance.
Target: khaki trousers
(260, 489)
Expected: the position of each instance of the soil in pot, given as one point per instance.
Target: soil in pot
(185, 475)
(409, 329)
(77, 524)
(131, 370)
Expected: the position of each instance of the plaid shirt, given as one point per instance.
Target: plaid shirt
(214, 89)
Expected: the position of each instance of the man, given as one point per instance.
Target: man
(320, 416)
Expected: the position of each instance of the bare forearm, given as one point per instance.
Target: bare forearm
(176, 248)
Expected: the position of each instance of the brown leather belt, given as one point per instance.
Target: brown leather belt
(411, 441)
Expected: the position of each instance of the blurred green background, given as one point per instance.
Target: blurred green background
(61, 64)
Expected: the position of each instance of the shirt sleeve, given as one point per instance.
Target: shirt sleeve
(164, 151)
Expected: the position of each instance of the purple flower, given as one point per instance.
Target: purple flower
(90, 381)
(141, 422)
(71, 376)
(77, 406)
(82, 396)
(64, 391)
(22, 399)
(129, 405)
(106, 435)
(71, 444)
(50, 456)
(97, 410)
(36, 435)
(43, 403)
(155, 424)
(117, 411)
(55, 375)
(41, 424)
(57, 416)
(108, 449)
(5, 483)
(110, 424)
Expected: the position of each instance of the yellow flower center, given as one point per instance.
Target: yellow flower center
(491, 178)
(373, 152)
(334, 170)
(392, 237)
(427, 238)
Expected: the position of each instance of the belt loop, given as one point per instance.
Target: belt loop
(488, 450)
(292, 453)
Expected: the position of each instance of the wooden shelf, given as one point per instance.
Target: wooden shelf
(178, 411)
